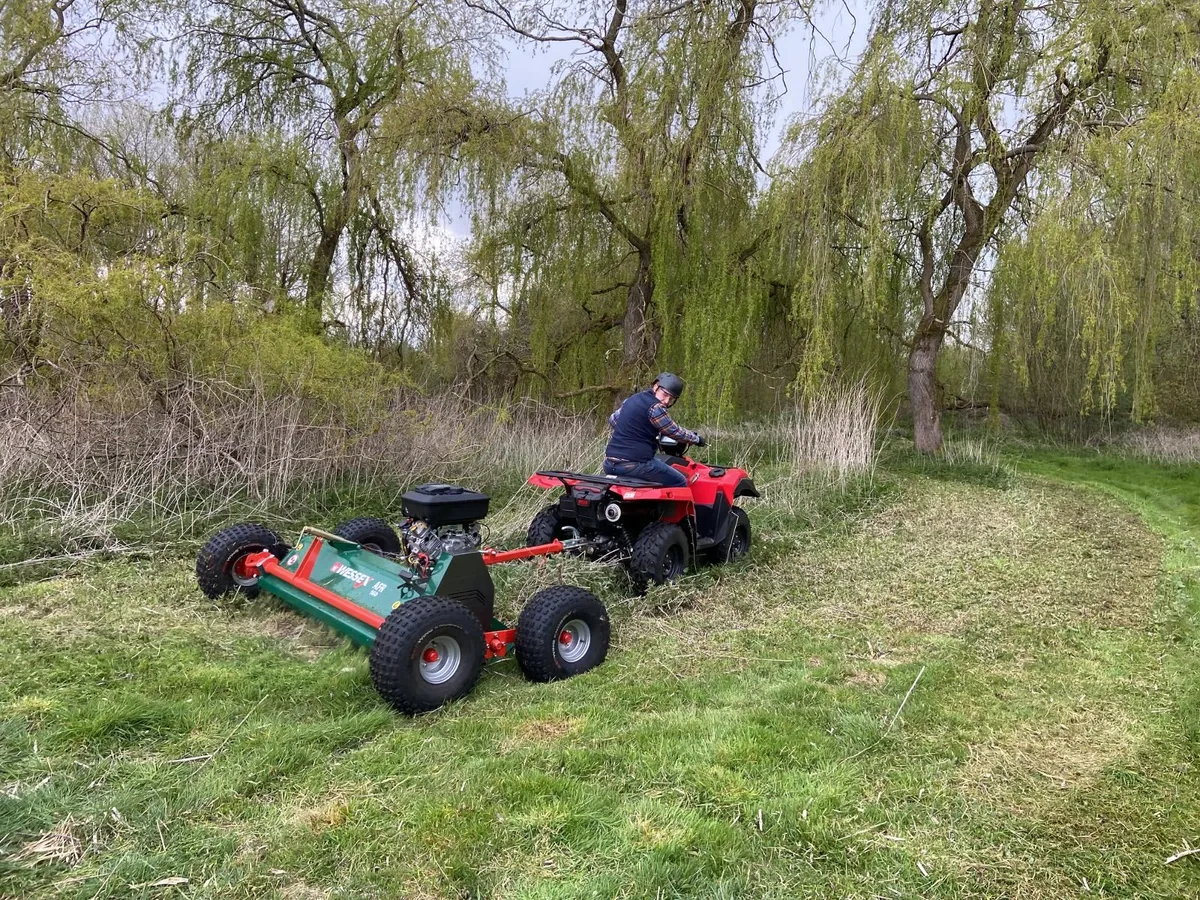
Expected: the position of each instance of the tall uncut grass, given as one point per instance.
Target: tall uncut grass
(833, 435)
(79, 475)
(830, 440)
(86, 470)
(1163, 443)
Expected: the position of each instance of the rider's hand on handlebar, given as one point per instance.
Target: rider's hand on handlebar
(700, 441)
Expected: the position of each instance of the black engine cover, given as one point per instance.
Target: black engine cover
(444, 504)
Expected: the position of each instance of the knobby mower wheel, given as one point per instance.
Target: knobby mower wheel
(375, 535)
(738, 543)
(544, 527)
(660, 554)
(428, 652)
(562, 631)
(220, 566)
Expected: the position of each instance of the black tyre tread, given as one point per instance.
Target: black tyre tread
(544, 527)
(721, 554)
(648, 549)
(403, 632)
(217, 556)
(537, 632)
(370, 530)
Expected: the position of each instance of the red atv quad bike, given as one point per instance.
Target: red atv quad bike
(655, 530)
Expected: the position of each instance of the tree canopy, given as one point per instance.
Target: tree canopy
(994, 204)
(961, 123)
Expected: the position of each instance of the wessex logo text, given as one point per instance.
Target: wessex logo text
(360, 579)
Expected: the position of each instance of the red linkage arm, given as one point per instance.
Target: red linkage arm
(491, 557)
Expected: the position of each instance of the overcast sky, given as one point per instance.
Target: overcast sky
(836, 34)
(836, 31)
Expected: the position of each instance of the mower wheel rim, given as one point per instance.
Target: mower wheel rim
(243, 576)
(574, 640)
(440, 659)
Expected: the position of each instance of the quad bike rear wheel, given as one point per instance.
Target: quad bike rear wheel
(375, 535)
(428, 652)
(737, 544)
(544, 528)
(660, 554)
(221, 564)
(562, 631)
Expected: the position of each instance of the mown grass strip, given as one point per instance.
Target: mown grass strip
(759, 731)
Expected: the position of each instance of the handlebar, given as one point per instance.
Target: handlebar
(669, 443)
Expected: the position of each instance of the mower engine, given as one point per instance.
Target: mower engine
(442, 518)
(421, 540)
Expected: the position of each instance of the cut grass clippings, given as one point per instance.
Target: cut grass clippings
(970, 689)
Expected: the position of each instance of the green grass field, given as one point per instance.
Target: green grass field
(955, 682)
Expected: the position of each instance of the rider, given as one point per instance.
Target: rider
(636, 427)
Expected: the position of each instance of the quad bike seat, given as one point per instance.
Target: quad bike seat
(600, 479)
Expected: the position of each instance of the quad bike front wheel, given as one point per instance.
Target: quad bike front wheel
(428, 652)
(562, 631)
(660, 554)
(737, 544)
(375, 535)
(221, 564)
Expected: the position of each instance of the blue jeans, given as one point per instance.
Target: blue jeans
(655, 470)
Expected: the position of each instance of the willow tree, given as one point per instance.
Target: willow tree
(935, 144)
(55, 58)
(51, 52)
(32, 39)
(309, 83)
(1108, 269)
(632, 194)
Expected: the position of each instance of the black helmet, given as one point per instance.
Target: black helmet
(672, 384)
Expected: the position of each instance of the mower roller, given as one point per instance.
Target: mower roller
(421, 599)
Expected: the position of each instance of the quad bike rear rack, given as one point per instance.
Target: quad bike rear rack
(625, 488)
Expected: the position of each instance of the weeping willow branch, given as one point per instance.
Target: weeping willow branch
(927, 133)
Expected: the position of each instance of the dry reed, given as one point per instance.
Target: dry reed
(214, 450)
(1163, 443)
(209, 451)
(832, 437)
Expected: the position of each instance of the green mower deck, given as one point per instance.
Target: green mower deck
(353, 590)
(426, 619)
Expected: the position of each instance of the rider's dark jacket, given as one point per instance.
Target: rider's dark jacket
(637, 425)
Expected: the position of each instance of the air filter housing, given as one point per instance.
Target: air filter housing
(444, 504)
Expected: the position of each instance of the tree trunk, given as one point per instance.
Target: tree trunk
(319, 270)
(924, 395)
(333, 222)
(640, 330)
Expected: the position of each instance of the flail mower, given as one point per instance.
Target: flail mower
(654, 530)
(420, 598)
